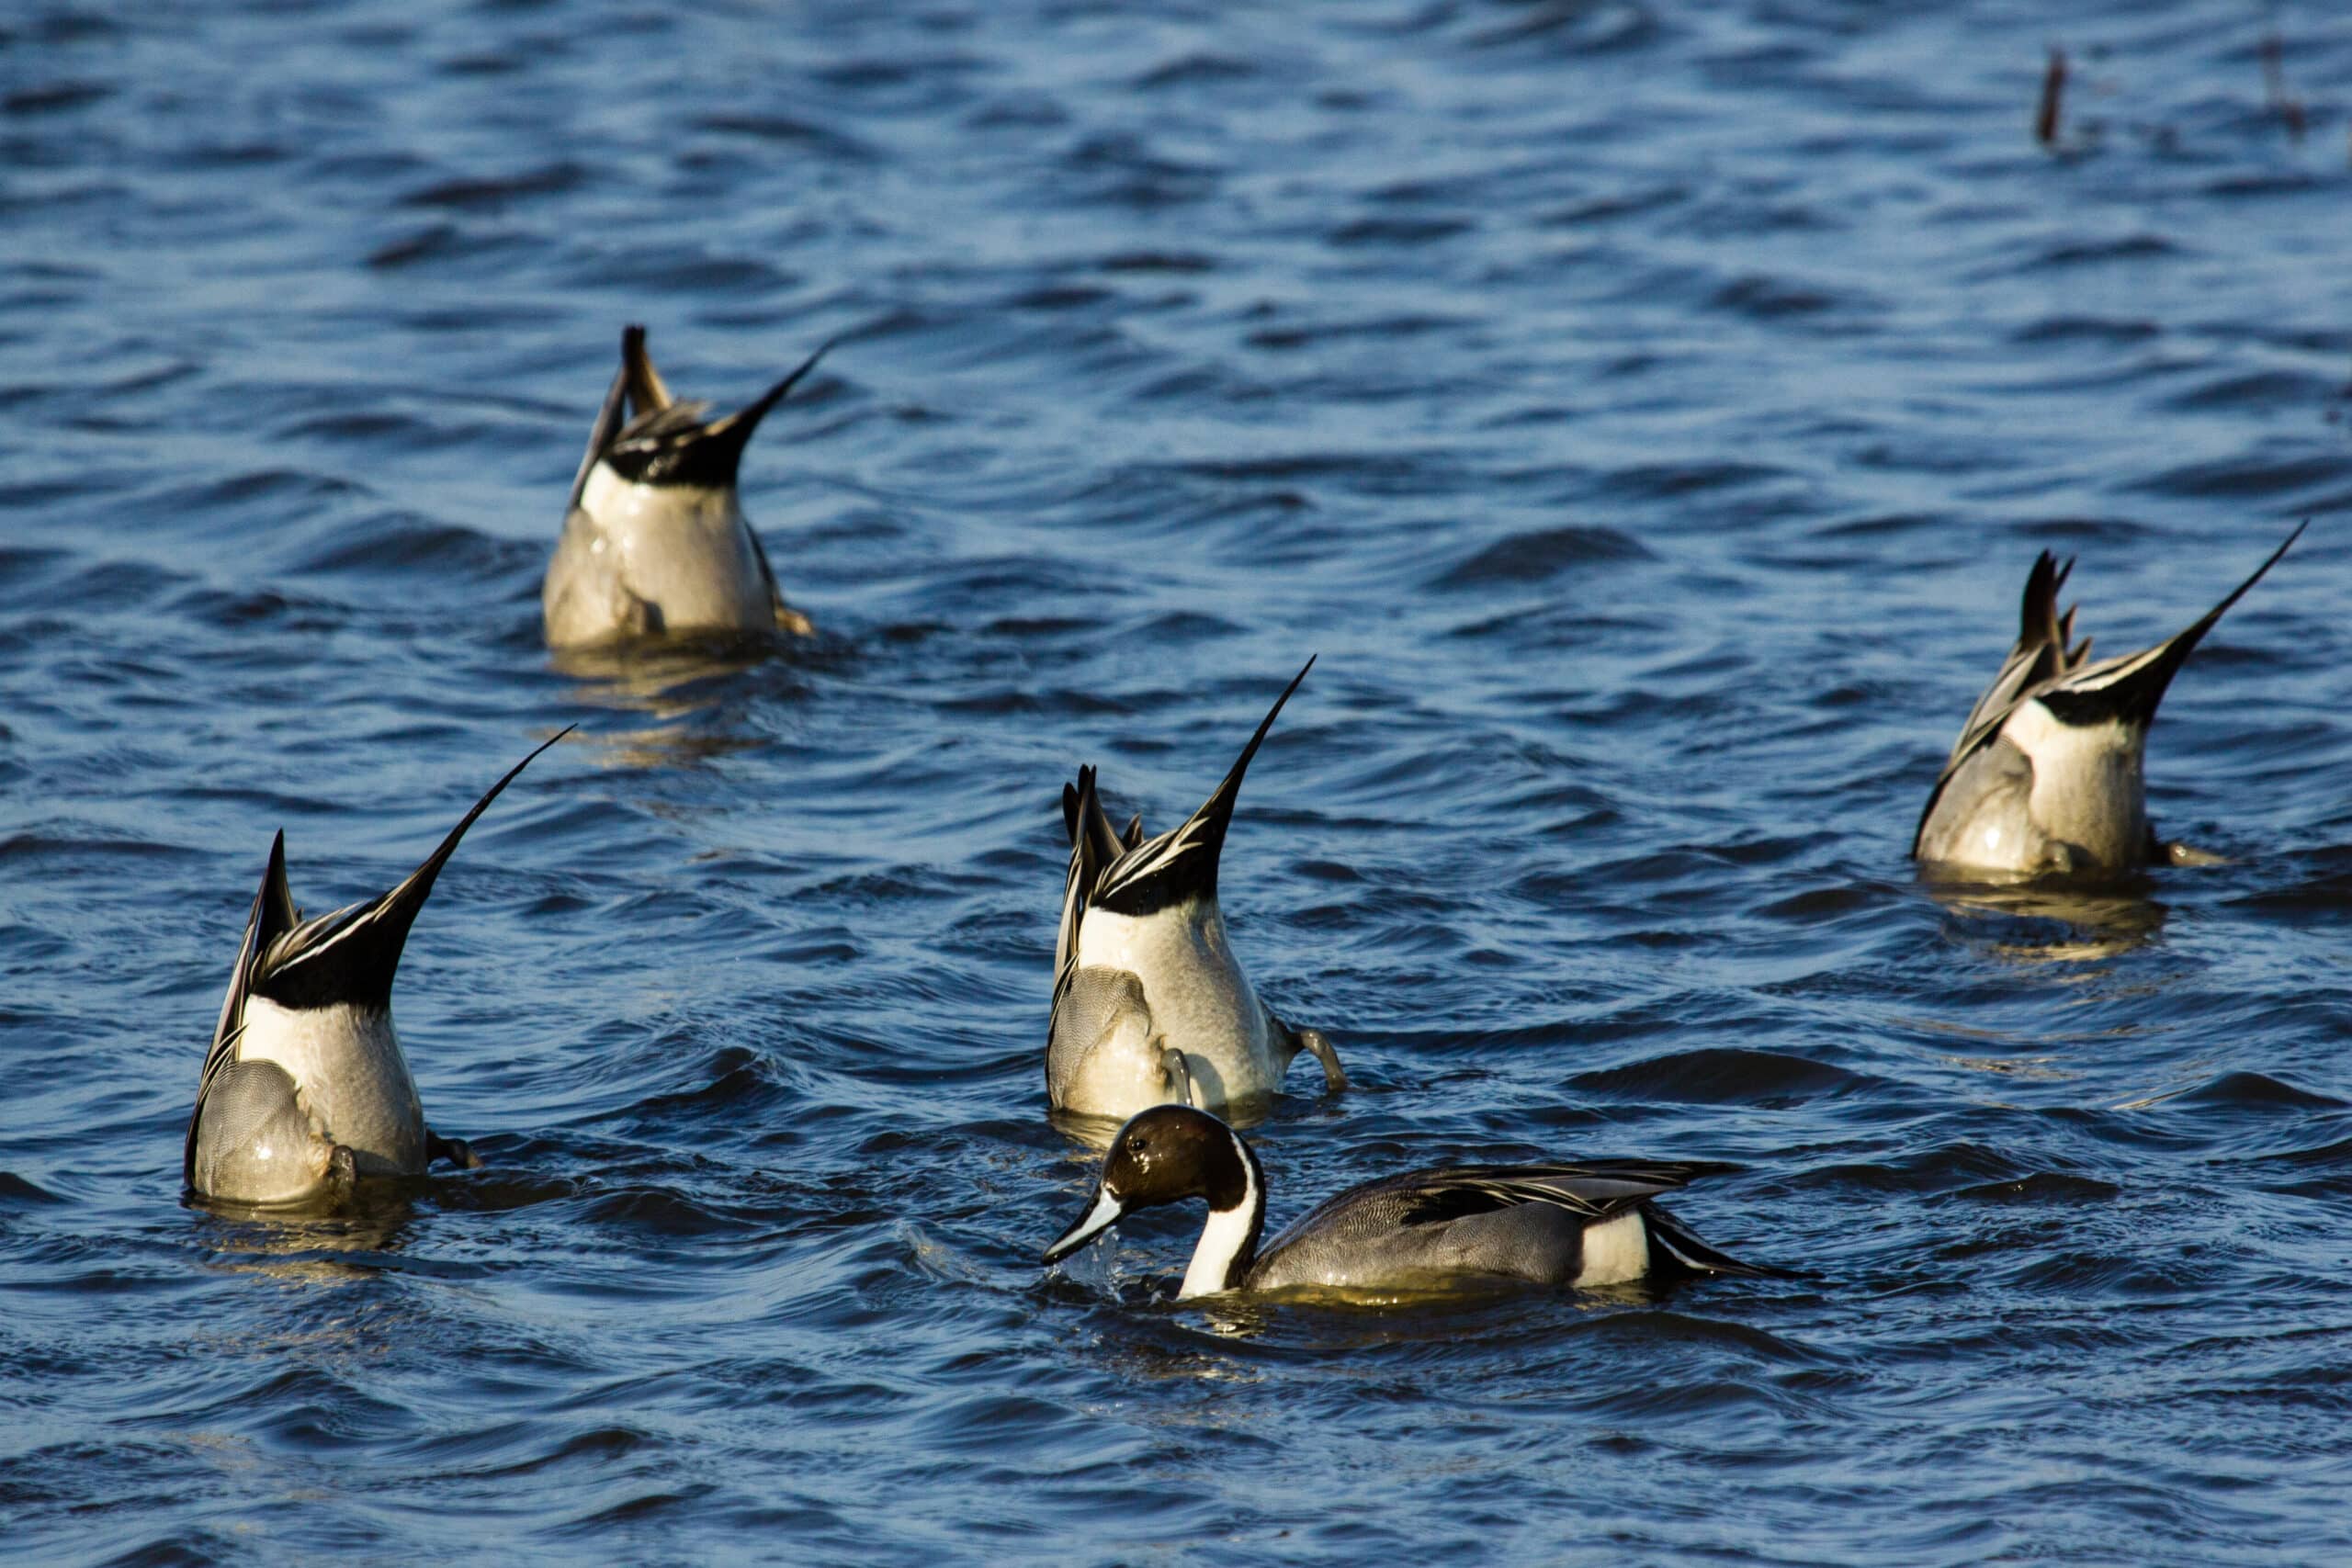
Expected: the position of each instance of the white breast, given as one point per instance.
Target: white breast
(349, 1076)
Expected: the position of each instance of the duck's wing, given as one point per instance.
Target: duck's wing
(273, 915)
(1592, 1190)
(352, 954)
(1088, 1004)
(1092, 846)
(1181, 863)
(2039, 653)
(601, 434)
(1586, 1191)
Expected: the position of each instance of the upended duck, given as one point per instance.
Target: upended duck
(305, 1088)
(1582, 1224)
(1150, 1005)
(2047, 776)
(655, 542)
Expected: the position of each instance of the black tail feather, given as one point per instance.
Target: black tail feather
(1679, 1250)
(2132, 693)
(1184, 864)
(353, 959)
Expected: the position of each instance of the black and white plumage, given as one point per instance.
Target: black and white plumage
(305, 1087)
(1150, 1004)
(655, 542)
(2047, 776)
(1582, 1224)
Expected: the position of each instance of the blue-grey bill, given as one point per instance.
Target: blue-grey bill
(1104, 1213)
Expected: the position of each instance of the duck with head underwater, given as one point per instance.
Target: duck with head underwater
(1150, 1004)
(305, 1088)
(655, 543)
(2047, 777)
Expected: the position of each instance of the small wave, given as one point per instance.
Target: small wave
(2258, 1091)
(1723, 1074)
(2283, 474)
(2042, 1187)
(18, 1191)
(1541, 553)
(491, 192)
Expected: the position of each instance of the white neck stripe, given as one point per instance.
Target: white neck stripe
(1228, 1233)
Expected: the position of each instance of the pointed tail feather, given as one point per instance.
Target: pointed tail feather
(2129, 689)
(1183, 863)
(737, 426)
(646, 391)
(1687, 1252)
(352, 956)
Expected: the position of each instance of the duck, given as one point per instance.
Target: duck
(655, 543)
(1150, 1005)
(2048, 777)
(1579, 1224)
(305, 1089)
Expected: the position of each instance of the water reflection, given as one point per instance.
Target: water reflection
(2052, 920)
(683, 685)
(1096, 1131)
(312, 1243)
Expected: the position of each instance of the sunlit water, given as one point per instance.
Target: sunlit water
(1648, 417)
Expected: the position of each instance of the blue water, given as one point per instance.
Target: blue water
(1647, 413)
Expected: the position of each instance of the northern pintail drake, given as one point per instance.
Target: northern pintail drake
(655, 542)
(1150, 1005)
(1581, 1224)
(305, 1088)
(2047, 776)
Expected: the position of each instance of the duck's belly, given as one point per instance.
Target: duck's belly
(636, 560)
(1201, 1001)
(349, 1078)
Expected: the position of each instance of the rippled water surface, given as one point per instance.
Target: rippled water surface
(1648, 415)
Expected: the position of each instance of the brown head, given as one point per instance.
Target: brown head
(1165, 1155)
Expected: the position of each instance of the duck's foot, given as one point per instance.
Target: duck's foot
(1313, 1043)
(457, 1151)
(1180, 1076)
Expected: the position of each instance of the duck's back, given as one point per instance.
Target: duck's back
(1388, 1236)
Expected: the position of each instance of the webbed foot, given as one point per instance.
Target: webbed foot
(457, 1151)
(1314, 1043)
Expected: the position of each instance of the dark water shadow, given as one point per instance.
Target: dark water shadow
(678, 691)
(317, 1242)
(2051, 919)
